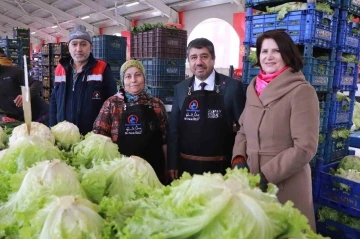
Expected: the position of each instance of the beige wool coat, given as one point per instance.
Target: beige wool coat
(279, 136)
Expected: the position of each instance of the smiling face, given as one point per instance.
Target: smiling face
(134, 81)
(201, 63)
(80, 50)
(270, 57)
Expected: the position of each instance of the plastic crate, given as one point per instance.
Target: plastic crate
(10, 43)
(166, 95)
(45, 60)
(115, 66)
(249, 72)
(163, 73)
(324, 107)
(335, 149)
(159, 43)
(46, 49)
(341, 114)
(46, 71)
(109, 47)
(348, 35)
(346, 75)
(319, 73)
(21, 32)
(303, 26)
(60, 48)
(46, 82)
(333, 229)
(332, 192)
(254, 3)
(353, 6)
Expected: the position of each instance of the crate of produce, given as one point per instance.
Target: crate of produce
(249, 72)
(109, 47)
(60, 48)
(341, 113)
(254, 3)
(10, 43)
(159, 43)
(46, 71)
(352, 6)
(45, 60)
(46, 49)
(346, 75)
(321, 145)
(348, 35)
(46, 82)
(166, 95)
(337, 145)
(304, 26)
(327, 226)
(337, 192)
(319, 73)
(324, 107)
(162, 73)
(115, 66)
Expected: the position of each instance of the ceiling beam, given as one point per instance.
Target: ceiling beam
(33, 18)
(63, 14)
(20, 24)
(163, 8)
(102, 10)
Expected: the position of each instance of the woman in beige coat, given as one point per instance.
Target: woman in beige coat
(280, 123)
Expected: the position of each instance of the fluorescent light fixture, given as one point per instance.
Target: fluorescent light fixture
(156, 13)
(132, 4)
(33, 32)
(117, 34)
(85, 17)
(54, 26)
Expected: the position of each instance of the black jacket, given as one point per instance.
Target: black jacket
(79, 104)
(11, 80)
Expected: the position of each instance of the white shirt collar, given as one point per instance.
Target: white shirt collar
(210, 82)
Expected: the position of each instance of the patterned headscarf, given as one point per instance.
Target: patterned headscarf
(124, 67)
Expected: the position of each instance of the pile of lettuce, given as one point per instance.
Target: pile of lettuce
(87, 189)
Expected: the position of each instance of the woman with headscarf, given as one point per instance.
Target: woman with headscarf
(136, 121)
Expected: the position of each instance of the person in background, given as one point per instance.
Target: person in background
(279, 127)
(11, 101)
(82, 84)
(135, 120)
(204, 110)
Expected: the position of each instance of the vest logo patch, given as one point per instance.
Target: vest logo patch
(193, 114)
(96, 95)
(133, 127)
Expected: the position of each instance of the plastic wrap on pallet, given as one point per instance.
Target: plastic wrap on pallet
(304, 26)
(159, 43)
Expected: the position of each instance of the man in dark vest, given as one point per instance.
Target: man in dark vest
(204, 109)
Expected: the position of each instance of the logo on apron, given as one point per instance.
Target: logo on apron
(214, 114)
(192, 113)
(132, 126)
(96, 95)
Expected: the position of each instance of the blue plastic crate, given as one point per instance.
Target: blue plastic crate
(341, 114)
(353, 6)
(253, 3)
(163, 72)
(324, 107)
(10, 43)
(336, 230)
(166, 95)
(336, 148)
(319, 73)
(348, 35)
(321, 146)
(249, 72)
(346, 75)
(336, 192)
(109, 47)
(304, 27)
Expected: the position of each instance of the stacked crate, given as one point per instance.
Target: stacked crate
(111, 49)
(162, 51)
(51, 54)
(337, 193)
(23, 35)
(36, 67)
(12, 48)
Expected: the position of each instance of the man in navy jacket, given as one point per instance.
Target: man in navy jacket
(82, 84)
